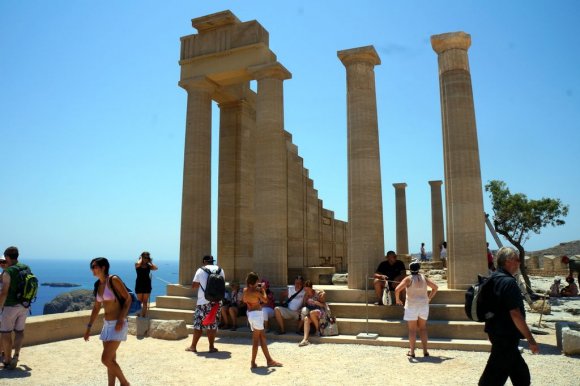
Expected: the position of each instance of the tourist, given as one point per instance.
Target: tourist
(314, 309)
(392, 270)
(269, 305)
(113, 296)
(490, 265)
(507, 326)
(291, 305)
(571, 289)
(204, 307)
(443, 253)
(416, 305)
(253, 296)
(143, 267)
(14, 314)
(237, 307)
(224, 320)
(423, 252)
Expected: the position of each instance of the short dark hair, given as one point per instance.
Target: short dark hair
(101, 262)
(391, 253)
(252, 278)
(299, 277)
(11, 252)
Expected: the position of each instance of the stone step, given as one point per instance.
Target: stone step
(434, 343)
(398, 328)
(176, 302)
(357, 310)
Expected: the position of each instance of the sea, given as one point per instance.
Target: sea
(78, 272)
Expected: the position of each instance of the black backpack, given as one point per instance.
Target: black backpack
(478, 299)
(215, 288)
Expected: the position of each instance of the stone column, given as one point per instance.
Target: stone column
(271, 200)
(196, 198)
(236, 187)
(365, 208)
(463, 188)
(436, 219)
(401, 216)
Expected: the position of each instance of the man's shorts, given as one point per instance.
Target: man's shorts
(201, 312)
(13, 318)
(256, 320)
(109, 334)
(413, 313)
(287, 313)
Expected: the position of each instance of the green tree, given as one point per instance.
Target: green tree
(515, 217)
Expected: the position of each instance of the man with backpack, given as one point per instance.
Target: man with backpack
(15, 310)
(209, 281)
(507, 325)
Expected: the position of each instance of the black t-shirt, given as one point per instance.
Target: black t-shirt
(505, 296)
(391, 271)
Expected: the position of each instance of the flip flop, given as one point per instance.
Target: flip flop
(274, 364)
(213, 350)
(253, 366)
(303, 343)
(426, 353)
(190, 349)
(410, 355)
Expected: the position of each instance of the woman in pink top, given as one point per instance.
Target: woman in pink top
(416, 305)
(110, 293)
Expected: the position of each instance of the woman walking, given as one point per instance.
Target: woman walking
(416, 305)
(143, 267)
(110, 293)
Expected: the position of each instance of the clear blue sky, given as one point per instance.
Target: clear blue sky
(92, 121)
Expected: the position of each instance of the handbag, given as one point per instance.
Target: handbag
(387, 298)
(328, 326)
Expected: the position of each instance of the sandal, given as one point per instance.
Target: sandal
(425, 353)
(213, 349)
(190, 349)
(274, 364)
(303, 343)
(410, 355)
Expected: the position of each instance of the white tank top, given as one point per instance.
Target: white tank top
(417, 292)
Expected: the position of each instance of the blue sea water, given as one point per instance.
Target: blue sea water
(78, 272)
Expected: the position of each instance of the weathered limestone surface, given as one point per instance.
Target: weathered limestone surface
(436, 219)
(365, 208)
(167, 329)
(463, 192)
(401, 217)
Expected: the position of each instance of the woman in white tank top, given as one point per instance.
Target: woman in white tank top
(416, 305)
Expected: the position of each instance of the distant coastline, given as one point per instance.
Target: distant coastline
(61, 284)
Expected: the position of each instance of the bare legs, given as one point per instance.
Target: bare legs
(314, 318)
(234, 316)
(197, 334)
(414, 325)
(144, 299)
(259, 339)
(379, 286)
(279, 320)
(109, 359)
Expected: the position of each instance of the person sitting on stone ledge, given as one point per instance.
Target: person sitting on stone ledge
(555, 288)
(291, 305)
(571, 289)
(392, 270)
(314, 309)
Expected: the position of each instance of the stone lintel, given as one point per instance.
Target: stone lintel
(436, 183)
(366, 54)
(234, 93)
(198, 83)
(215, 20)
(400, 185)
(270, 70)
(451, 40)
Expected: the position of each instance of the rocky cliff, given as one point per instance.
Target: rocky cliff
(76, 300)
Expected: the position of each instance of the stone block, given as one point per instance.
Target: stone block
(138, 326)
(167, 329)
(531, 262)
(570, 341)
(548, 261)
(340, 279)
(542, 307)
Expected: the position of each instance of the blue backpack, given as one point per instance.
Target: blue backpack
(135, 303)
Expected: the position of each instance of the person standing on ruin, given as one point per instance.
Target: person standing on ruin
(423, 252)
(143, 287)
(507, 326)
(444, 253)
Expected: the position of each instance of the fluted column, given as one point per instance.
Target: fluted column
(401, 217)
(436, 219)
(463, 188)
(271, 200)
(196, 198)
(365, 208)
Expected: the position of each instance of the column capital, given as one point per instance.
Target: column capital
(400, 185)
(201, 83)
(366, 54)
(271, 70)
(435, 183)
(450, 41)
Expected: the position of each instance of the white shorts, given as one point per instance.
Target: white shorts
(108, 333)
(268, 313)
(287, 313)
(413, 313)
(256, 320)
(13, 318)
